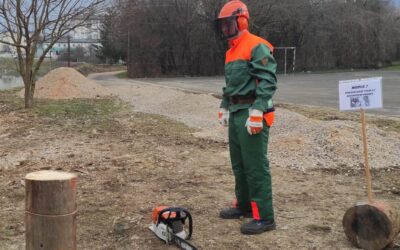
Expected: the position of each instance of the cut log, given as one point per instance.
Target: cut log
(50, 216)
(371, 226)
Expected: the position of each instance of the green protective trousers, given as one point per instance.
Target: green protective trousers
(250, 166)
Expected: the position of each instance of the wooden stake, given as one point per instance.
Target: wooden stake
(366, 165)
(373, 225)
(50, 216)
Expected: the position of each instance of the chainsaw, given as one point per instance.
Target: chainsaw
(168, 225)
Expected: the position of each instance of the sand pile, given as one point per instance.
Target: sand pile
(67, 83)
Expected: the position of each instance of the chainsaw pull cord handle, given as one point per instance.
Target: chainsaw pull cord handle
(178, 211)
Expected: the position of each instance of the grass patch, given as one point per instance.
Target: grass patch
(104, 115)
(77, 108)
(81, 114)
(328, 71)
(161, 125)
(87, 68)
(319, 113)
(329, 114)
(89, 113)
(9, 101)
(395, 66)
(122, 75)
(96, 113)
(387, 124)
(8, 66)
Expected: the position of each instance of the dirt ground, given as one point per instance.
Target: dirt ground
(129, 162)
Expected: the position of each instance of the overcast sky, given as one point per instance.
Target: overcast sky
(397, 2)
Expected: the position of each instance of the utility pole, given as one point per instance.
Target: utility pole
(51, 62)
(69, 51)
(128, 57)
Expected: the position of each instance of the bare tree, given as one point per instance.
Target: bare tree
(27, 23)
(176, 37)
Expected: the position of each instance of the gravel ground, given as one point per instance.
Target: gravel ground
(296, 141)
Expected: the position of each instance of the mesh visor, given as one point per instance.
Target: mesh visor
(226, 27)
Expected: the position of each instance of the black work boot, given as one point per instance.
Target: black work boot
(257, 226)
(233, 213)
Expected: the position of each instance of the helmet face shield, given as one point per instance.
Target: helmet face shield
(227, 27)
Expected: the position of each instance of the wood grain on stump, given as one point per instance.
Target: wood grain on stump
(50, 216)
(371, 226)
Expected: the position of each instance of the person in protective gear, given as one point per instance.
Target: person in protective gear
(247, 109)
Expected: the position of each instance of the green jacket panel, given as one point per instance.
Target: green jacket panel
(253, 77)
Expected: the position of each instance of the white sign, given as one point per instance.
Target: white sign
(360, 94)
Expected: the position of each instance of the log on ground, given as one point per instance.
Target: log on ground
(371, 226)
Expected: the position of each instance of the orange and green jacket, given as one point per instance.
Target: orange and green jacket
(249, 72)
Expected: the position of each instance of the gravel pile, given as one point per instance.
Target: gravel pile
(296, 141)
(67, 83)
(302, 143)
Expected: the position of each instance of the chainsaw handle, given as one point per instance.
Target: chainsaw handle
(189, 216)
(178, 216)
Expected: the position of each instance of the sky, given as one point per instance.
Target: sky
(397, 2)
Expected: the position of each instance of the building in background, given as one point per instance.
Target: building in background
(82, 38)
(7, 50)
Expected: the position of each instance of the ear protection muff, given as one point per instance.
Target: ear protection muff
(242, 23)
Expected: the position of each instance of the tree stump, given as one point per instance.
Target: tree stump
(50, 216)
(371, 226)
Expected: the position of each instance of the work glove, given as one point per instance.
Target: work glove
(254, 123)
(223, 116)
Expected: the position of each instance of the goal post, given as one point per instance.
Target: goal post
(283, 57)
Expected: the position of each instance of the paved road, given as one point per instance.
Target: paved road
(306, 89)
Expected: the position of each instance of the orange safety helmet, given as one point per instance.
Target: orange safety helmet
(232, 18)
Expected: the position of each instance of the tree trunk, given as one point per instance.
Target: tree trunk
(29, 92)
(28, 97)
(371, 226)
(50, 216)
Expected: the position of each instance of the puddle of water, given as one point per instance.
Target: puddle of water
(9, 82)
